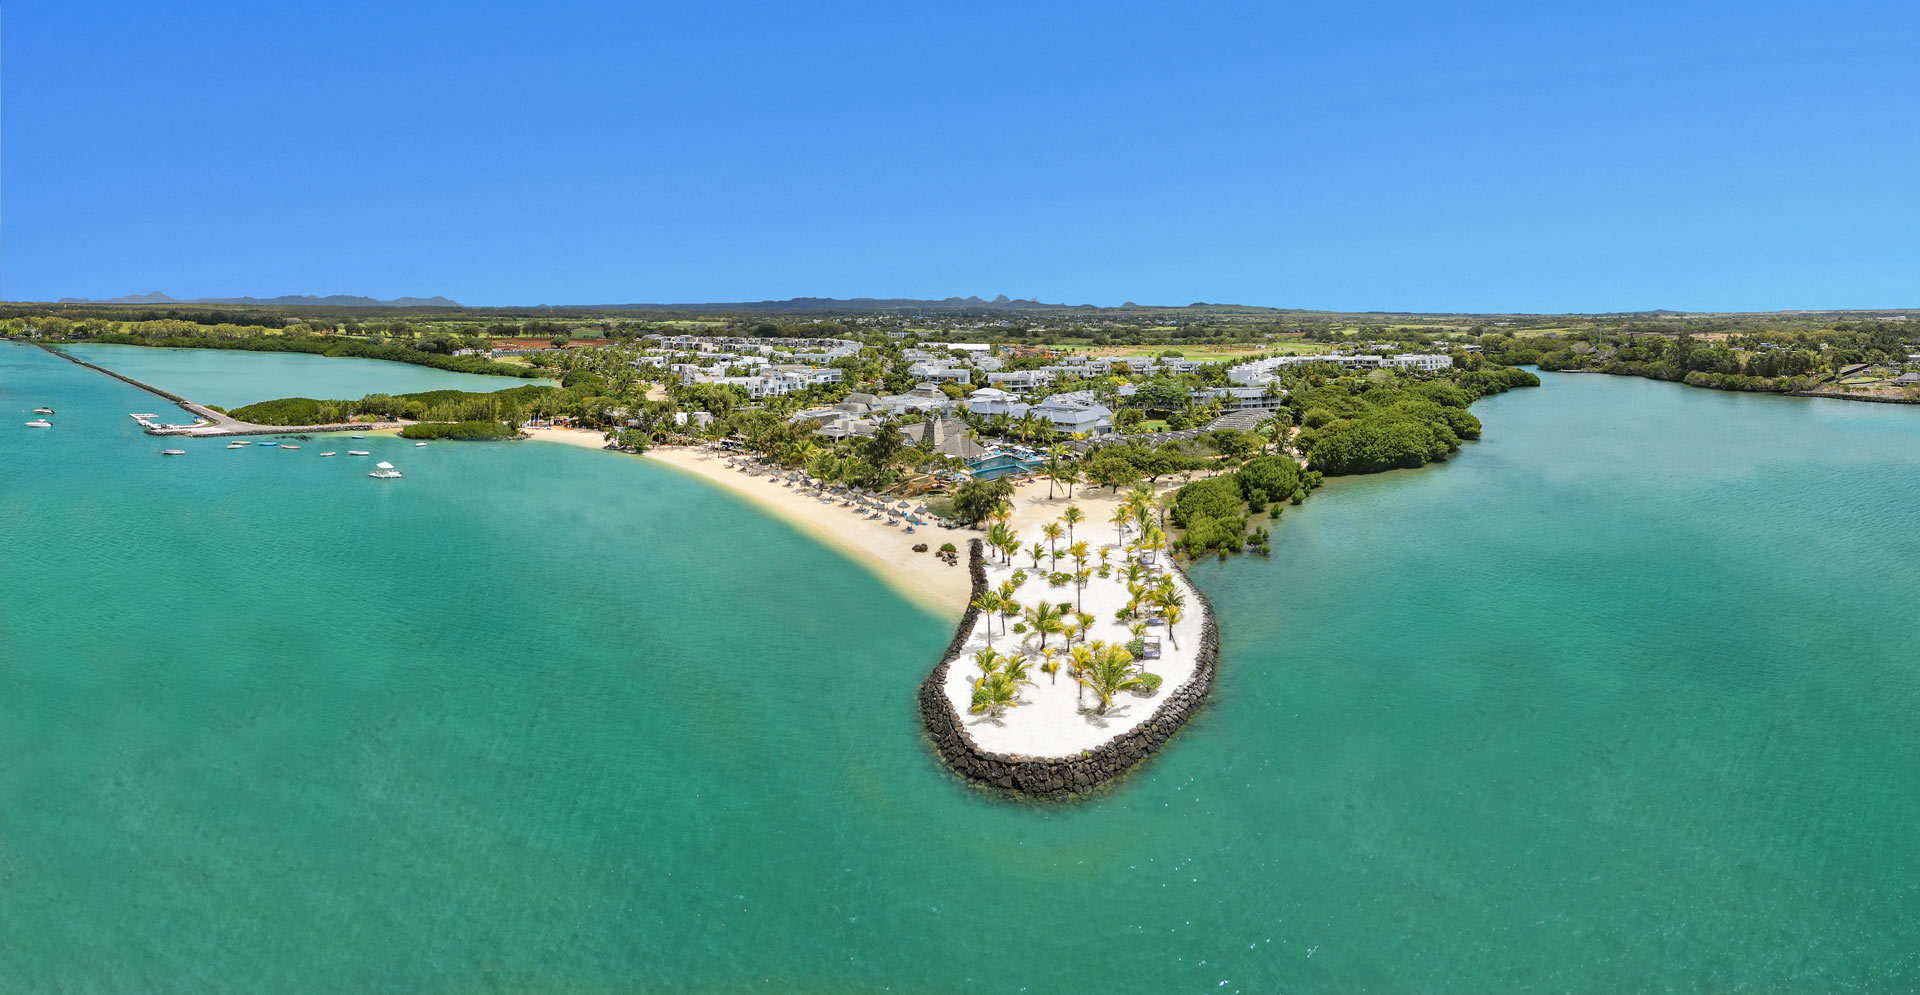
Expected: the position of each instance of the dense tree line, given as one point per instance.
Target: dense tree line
(1359, 425)
(513, 406)
(466, 431)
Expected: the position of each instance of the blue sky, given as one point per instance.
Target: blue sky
(1384, 156)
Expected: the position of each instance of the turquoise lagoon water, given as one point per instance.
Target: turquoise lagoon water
(1623, 698)
(232, 378)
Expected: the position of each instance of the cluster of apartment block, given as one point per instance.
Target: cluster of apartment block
(762, 368)
(765, 368)
(1261, 372)
(1074, 413)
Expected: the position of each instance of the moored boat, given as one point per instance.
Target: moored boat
(288, 445)
(358, 452)
(237, 445)
(43, 411)
(173, 452)
(329, 454)
(418, 445)
(39, 423)
(267, 443)
(384, 471)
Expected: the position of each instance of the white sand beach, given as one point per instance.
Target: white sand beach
(1056, 717)
(888, 552)
(929, 581)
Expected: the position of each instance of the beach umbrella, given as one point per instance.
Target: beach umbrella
(920, 510)
(904, 505)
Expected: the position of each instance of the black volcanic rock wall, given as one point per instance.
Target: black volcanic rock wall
(1058, 777)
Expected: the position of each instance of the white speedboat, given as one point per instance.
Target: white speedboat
(43, 411)
(384, 471)
(288, 445)
(238, 445)
(39, 423)
(418, 445)
(359, 437)
(329, 454)
(173, 452)
(358, 452)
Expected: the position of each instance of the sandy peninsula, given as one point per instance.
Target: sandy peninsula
(887, 552)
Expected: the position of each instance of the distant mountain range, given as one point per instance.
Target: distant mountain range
(290, 300)
(1002, 302)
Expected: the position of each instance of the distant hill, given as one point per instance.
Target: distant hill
(290, 300)
(1002, 302)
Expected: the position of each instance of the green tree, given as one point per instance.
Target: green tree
(1110, 672)
(987, 603)
(1045, 619)
(976, 500)
(1072, 516)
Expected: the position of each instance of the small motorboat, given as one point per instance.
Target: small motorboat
(358, 452)
(39, 423)
(173, 452)
(329, 454)
(269, 442)
(237, 445)
(288, 445)
(43, 411)
(384, 471)
(359, 437)
(417, 445)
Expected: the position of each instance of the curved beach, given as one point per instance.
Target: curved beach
(887, 552)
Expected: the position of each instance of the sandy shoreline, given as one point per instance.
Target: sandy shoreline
(887, 552)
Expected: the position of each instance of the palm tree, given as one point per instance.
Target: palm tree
(1045, 619)
(1072, 516)
(987, 660)
(1001, 537)
(994, 694)
(987, 603)
(1068, 474)
(1008, 609)
(1038, 551)
(1049, 665)
(1110, 673)
(1272, 429)
(1121, 516)
(1086, 620)
(1173, 613)
(1052, 531)
(1014, 668)
(1154, 538)
(1080, 578)
(1080, 658)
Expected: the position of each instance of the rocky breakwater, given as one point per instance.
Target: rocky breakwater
(1068, 776)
